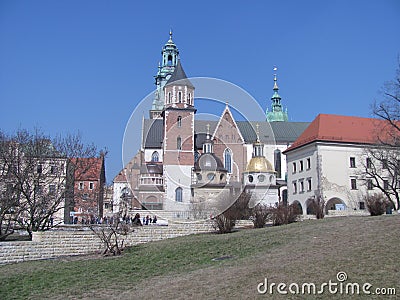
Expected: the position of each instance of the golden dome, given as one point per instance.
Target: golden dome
(259, 164)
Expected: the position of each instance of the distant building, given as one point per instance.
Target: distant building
(89, 182)
(329, 160)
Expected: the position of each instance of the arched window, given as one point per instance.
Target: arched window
(169, 60)
(178, 194)
(179, 121)
(179, 143)
(228, 160)
(155, 157)
(180, 97)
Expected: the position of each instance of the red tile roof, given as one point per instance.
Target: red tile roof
(88, 168)
(341, 129)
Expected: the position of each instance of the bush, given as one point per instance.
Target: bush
(376, 204)
(283, 214)
(225, 221)
(259, 215)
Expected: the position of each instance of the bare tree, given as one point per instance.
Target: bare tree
(37, 175)
(382, 165)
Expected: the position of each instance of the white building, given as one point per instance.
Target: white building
(329, 159)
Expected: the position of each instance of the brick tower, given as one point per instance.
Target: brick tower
(178, 143)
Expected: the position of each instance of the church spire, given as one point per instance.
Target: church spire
(169, 61)
(277, 114)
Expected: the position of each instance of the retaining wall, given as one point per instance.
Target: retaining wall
(77, 240)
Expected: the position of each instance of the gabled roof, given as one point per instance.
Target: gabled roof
(234, 124)
(179, 77)
(341, 129)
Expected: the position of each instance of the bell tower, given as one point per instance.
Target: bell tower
(178, 143)
(169, 61)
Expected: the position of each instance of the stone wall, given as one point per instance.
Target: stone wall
(77, 240)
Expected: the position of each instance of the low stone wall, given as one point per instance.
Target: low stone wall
(77, 240)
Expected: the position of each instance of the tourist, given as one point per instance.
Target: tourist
(154, 219)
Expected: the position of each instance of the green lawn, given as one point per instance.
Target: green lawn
(366, 248)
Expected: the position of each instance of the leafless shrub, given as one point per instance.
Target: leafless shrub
(113, 236)
(284, 214)
(259, 215)
(376, 204)
(225, 221)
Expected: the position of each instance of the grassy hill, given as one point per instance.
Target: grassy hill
(313, 251)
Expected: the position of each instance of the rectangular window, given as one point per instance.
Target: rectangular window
(353, 183)
(370, 184)
(53, 170)
(352, 162)
(362, 205)
(385, 184)
(369, 162)
(90, 185)
(301, 166)
(302, 186)
(39, 169)
(308, 163)
(309, 184)
(294, 187)
(294, 168)
(81, 186)
(384, 164)
(52, 189)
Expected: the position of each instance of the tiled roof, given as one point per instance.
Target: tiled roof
(88, 168)
(342, 129)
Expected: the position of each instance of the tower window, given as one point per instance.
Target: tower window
(179, 143)
(169, 97)
(169, 60)
(189, 98)
(179, 121)
(228, 160)
(155, 157)
(178, 194)
(180, 97)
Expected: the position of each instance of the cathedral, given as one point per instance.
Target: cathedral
(185, 161)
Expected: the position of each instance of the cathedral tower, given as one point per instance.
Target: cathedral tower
(178, 143)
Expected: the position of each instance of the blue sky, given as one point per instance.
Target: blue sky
(68, 66)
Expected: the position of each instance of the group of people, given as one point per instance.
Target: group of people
(145, 221)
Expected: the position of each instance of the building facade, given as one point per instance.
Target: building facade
(331, 160)
(173, 140)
